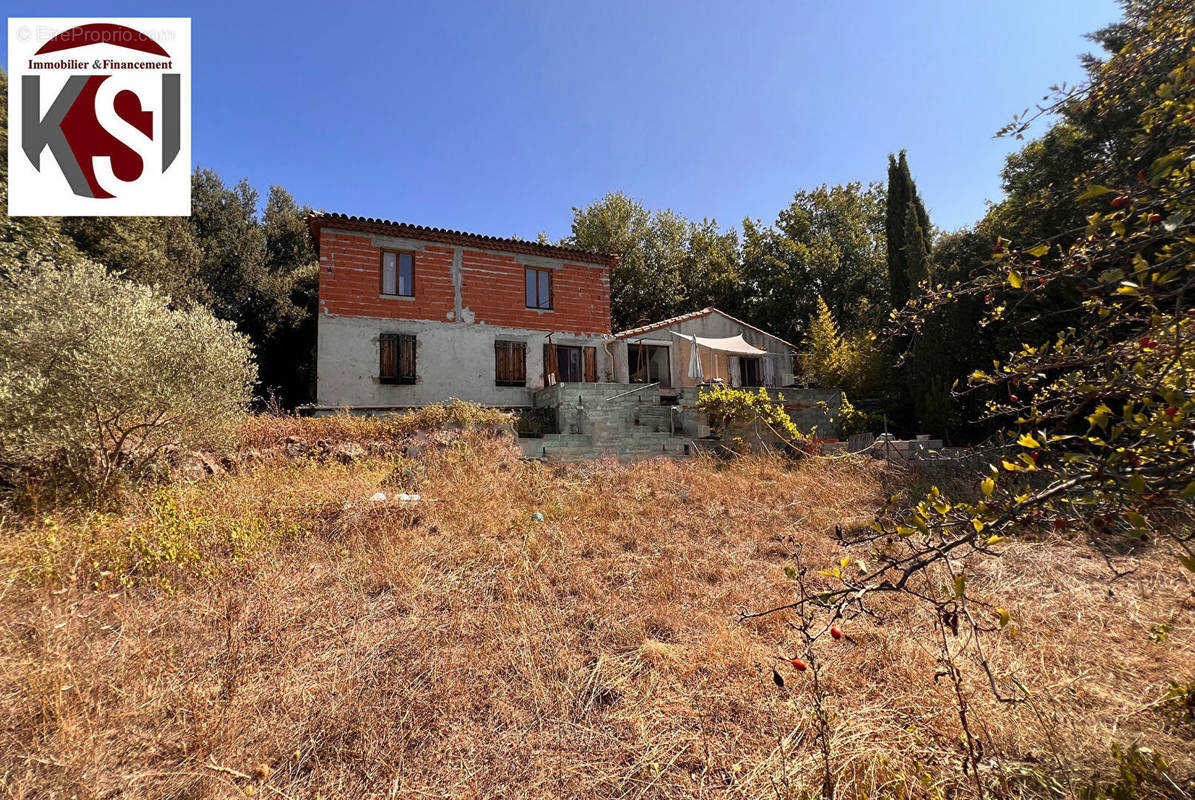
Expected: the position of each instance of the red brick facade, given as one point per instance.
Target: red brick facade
(492, 282)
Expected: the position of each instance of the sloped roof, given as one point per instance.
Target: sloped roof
(447, 236)
(668, 323)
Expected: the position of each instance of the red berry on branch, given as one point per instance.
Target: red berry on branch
(1012, 397)
(1147, 343)
(800, 664)
(1170, 411)
(1141, 176)
(1155, 217)
(1121, 201)
(835, 632)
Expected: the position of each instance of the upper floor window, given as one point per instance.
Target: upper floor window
(398, 273)
(539, 288)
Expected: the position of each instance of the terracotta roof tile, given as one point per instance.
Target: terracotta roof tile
(451, 237)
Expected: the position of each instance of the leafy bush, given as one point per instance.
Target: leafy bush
(99, 376)
(727, 407)
(851, 420)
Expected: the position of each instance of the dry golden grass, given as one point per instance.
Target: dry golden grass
(458, 649)
(264, 431)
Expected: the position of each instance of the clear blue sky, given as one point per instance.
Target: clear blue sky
(498, 117)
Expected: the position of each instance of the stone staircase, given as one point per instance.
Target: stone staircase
(603, 420)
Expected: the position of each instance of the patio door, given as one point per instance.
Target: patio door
(650, 364)
(569, 363)
(750, 371)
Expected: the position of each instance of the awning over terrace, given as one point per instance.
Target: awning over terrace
(734, 345)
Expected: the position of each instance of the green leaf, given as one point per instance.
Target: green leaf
(1094, 191)
(1039, 251)
(1163, 165)
(1188, 490)
(988, 485)
(1004, 616)
(1136, 520)
(1014, 278)
(1027, 440)
(977, 524)
(1099, 418)
(790, 573)
(1188, 562)
(960, 585)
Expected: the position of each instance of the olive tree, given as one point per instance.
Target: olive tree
(100, 375)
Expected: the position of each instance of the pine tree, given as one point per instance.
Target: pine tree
(822, 361)
(903, 201)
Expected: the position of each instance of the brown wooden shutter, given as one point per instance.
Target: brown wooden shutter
(406, 359)
(388, 357)
(518, 353)
(550, 363)
(510, 363)
(590, 365)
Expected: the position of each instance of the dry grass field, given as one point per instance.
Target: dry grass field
(272, 632)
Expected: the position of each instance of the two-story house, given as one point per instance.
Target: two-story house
(410, 316)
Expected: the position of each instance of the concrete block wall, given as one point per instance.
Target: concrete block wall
(606, 420)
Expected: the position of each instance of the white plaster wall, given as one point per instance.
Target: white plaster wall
(451, 360)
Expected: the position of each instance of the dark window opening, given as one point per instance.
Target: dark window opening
(398, 273)
(751, 371)
(397, 358)
(510, 363)
(568, 364)
(650, 364)
(539, 288)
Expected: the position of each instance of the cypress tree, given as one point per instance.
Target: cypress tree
(904, 202)
(916, 255)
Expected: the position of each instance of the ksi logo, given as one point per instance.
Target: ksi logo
(99, 117)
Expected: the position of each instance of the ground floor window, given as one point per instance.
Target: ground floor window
(397, 358)
(510, 363)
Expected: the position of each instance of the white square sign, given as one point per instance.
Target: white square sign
(99, 117)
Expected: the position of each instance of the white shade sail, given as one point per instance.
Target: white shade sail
(735, 345)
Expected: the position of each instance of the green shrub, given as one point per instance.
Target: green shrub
(727, 406)
(851, 420)
(99, 376)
